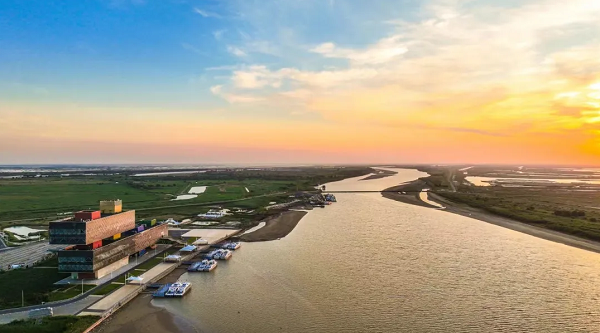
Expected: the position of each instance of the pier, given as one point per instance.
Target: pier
(115, 300)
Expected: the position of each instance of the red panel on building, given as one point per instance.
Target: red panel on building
(97, 244)
(87, 215)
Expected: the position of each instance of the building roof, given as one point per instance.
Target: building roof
(211, 235)
(188, 248)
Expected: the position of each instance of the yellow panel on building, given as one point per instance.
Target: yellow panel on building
(117, 236)
(111, 206)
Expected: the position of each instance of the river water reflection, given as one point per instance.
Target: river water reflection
(372, 264)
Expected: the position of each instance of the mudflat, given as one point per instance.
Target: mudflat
(408, 193)
(139, 315)
(276, 227)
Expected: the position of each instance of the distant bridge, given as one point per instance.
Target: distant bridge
(365, 191)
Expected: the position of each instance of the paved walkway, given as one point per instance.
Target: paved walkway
(112, 301)
(126, 293)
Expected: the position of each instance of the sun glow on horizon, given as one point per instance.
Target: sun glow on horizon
(488, 82)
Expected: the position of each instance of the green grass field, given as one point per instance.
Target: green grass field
(35, 201)
(67, 292)
(47, 198)
(35, 283)
(58, 324)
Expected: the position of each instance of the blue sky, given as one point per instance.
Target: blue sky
(143, 52)
(387, 80)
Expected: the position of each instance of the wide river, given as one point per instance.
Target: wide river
(370, 264)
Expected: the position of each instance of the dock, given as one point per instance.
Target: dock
(115, 300)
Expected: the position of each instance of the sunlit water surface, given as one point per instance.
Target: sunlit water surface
(372, 264)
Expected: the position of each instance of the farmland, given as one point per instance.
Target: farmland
(36, 200)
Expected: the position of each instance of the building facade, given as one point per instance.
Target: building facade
(100, 242)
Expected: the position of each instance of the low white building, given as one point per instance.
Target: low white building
(214, 214)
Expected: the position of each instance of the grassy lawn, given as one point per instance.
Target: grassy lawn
(58, 324)
(108, 288)
(67, 292)
(35, 283)
(149, 264)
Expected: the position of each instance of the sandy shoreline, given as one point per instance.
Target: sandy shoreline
(411, 195)
(482, 215)
(380, 174)
(139, 315)
(276, 227)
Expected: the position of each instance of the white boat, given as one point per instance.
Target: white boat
(228, 245)
(207, 265)
(220, 254)
(194, 267)
(183, 289)
(173, 289)
(203, 266)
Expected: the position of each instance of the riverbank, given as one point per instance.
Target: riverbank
(479, 214)
(276, 227)
(140, 315)
(380, 173)
(408, 193)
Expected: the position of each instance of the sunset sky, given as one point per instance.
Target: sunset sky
(300, 81)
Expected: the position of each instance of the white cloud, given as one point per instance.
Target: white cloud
(236, 51)
(233, 98)
(385, 50)
(205, 13)
(219, 34)
(454, 68)
(222, 68)
(216, 90)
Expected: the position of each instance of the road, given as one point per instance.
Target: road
(61, 310)
(27, 254)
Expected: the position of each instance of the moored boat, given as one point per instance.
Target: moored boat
(203, 266)
(219, 254)
(228, 245)
(183, 289)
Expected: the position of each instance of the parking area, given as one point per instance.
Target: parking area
(26, 254)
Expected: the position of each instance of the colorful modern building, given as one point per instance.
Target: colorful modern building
(102, 241)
